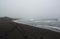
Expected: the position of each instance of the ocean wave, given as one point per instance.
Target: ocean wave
(53, 28)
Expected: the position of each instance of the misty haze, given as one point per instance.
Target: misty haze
(32, 12)
(43, 14)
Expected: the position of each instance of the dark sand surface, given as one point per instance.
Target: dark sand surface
(12, 30)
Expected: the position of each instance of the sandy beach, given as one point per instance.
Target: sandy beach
(12, 30)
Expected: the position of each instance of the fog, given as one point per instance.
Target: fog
(28, 9)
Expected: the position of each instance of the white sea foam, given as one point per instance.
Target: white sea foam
(53, 28)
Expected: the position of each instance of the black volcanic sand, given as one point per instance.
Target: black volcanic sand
(12, 30)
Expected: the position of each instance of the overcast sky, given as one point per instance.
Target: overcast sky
(30, 8)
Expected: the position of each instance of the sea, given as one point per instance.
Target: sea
(50, 24)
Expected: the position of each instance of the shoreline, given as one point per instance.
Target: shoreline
(52, 28)
(23, 31)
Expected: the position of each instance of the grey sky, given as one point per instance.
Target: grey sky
(30, 8)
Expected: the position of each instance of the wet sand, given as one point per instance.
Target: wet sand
(13, 30)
